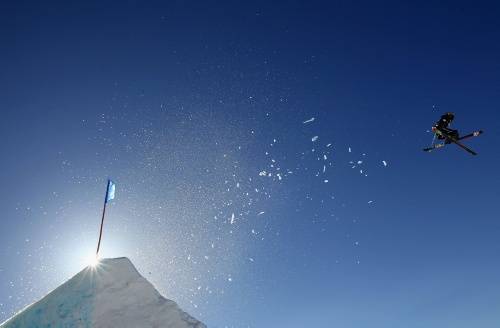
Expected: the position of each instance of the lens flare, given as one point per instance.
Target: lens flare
(92, 261)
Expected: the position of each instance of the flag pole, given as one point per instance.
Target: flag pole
(100, 232)
(102, 219)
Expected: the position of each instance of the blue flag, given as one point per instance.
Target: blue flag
(110, 191)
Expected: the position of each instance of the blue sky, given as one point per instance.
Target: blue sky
(185, 104)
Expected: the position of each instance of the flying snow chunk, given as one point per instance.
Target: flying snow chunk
(232, 218)
(309, 120)
(313, 139)
(384, 162)
(349, 149)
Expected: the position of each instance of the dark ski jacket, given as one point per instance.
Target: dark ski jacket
(444, 121)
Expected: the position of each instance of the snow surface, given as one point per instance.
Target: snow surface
(113, 294)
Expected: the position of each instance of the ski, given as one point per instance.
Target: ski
(455, 141)
(470, 135)
(440, 145)
(467, 149)
(436, 146)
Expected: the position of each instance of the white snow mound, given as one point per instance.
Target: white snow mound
(113, 294)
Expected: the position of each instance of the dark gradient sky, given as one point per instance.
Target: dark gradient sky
(185, 104)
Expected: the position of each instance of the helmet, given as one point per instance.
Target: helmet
(449, 116)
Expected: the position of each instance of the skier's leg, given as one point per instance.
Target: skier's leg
(449, 133)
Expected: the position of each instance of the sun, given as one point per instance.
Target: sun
(92, 261)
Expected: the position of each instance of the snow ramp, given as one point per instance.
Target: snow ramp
(113, 294)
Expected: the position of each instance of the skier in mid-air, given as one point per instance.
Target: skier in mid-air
(443, 125)
(443, 131)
